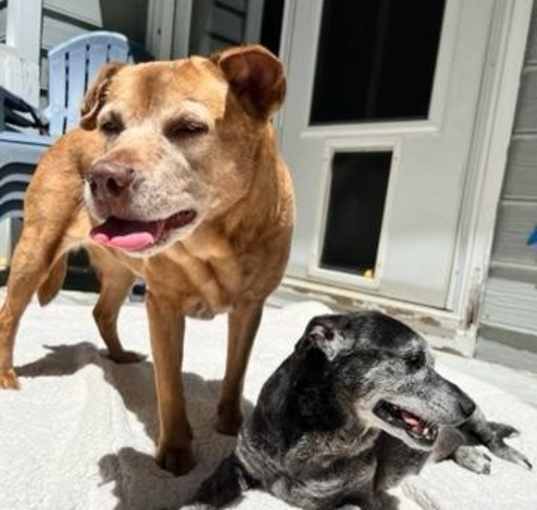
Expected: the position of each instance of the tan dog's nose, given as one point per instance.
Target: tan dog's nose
(109, 180)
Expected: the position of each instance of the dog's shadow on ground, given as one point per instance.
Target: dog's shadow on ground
(133, 476)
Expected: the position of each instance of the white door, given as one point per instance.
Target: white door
(377, 127)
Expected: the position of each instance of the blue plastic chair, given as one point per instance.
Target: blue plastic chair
(72, 67)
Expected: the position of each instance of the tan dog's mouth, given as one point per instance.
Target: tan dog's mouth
(134, 235)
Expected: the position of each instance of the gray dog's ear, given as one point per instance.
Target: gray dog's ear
(256, 76)
(96, 95)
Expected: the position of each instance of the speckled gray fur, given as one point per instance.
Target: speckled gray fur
(320, 436)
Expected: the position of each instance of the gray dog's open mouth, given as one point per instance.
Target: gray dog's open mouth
(133, 235)
(413, 425)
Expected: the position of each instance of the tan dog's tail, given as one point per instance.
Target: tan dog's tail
(54, 281)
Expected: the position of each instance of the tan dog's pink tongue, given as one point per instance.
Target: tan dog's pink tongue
(127, 235)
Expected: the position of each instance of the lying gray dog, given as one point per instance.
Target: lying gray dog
(356, 408)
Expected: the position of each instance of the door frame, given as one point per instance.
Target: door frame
(485, 171)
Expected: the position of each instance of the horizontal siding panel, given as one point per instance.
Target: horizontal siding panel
(238, 5)
(515, 223)
(521, 173)
(526, 115)
(531, 53)
(88, 11)
(519, 273)
(56, 31)
(227, 24)
(511, 305)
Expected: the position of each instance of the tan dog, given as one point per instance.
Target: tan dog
(176, 178)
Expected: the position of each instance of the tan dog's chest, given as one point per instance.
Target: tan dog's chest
(203, 277)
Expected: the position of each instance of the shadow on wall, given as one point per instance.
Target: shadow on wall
(128, 18)
(138, 483)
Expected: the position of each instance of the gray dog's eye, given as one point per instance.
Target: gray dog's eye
(415, 361)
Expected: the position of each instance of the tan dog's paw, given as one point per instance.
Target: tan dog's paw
(178, 461)
(8, 380)
(229, 420)
(125, 357)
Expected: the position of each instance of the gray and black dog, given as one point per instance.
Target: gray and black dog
(356, 408)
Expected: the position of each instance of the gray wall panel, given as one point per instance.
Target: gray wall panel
(526, 115)
(521, 178)
(515, 221)
(510, 305)
(3, 18)
(531, 53)
(511, 294)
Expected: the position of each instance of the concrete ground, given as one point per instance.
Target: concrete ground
(514, 371)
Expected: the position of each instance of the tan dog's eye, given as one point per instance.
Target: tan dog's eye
(112, 126)
(185, 128)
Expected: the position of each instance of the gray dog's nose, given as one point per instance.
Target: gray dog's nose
(109, 180)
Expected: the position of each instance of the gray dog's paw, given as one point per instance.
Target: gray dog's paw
(197, 506)
(501, 449)
(503, 431)
(471, 458)
(505, 452)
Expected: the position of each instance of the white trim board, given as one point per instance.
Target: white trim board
(181, 28)
(439, 326)
(23, 28)
(159, 38)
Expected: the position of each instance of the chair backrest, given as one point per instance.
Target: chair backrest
(72, 67)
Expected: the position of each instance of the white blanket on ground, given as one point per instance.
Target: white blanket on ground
(80, 434)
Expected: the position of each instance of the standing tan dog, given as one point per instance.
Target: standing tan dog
(174, 177)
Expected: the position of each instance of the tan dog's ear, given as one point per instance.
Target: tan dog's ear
(256, 76)
(96, 95)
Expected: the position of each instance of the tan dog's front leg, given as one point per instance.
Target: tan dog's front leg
(243, 324)
(167, 329)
